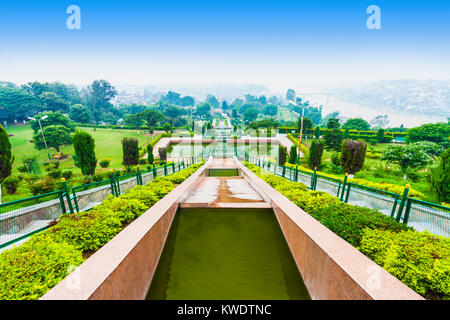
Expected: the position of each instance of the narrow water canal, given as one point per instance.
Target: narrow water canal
(214, 253)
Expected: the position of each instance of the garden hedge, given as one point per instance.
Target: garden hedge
(33, 268)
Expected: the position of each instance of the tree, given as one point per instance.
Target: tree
(150, 157)
(212, 100)
(80, 114)
(434, 132)
(225, 106)
(293, 154)
(440, 178)
(55, 137)
(187, 101)
(406, 156)
(53, 102)
(353, 155)
(317, 132)
(250, 115)
(356, 124)
(172, 98)
(380, 135)
(99, 95)
(203, 110)
(282, 155)
(130, 148)
(162, 154)
(152, 116)
(307, 124)
(167, 127)
(84, 146)
(135, 120)
(53, 119)
(270, 110)
(6, 158)
(315, 154)
(234, 113)
(18, 102)
(333, 137)
(290, 95)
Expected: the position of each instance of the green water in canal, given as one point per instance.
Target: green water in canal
(219, 254)
(223, 172)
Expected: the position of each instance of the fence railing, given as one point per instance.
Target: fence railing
(421, 215)
(21, 218)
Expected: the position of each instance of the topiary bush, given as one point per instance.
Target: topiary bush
(419, 259)
(353, 155)
(11, 183)
(440, 178)
(130, 151)
(84, 145)
(315, 154)
(105, 162)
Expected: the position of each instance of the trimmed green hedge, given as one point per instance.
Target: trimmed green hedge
(418, 259)
(30, 270)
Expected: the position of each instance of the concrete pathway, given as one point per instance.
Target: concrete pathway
(224, 192)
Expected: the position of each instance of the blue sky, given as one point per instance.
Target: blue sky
(275, 43)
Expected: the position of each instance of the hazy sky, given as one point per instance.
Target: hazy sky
(280, 44)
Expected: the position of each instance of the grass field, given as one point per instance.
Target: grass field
(107, 145)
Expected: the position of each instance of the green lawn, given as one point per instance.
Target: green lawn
(107, 145)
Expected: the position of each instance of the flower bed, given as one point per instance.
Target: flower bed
(32, 269)
(418, 259)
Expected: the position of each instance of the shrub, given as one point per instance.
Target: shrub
(353, 155)
(130, 151)
(6, 158)
(51, 165)
(30, 270)
(45, 185)
(150, 156)
(55, 174)
(143, 194)
(336, 158)
(104, 163)
(440, 178)
(315, 154)
(124, 209)
(418, 259)
(293, 155)
(11, 183)
(162, 154)
(84, 146)
(87, 231)
(142, 161)
(282, 155)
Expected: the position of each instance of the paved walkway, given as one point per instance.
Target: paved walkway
(224, 192)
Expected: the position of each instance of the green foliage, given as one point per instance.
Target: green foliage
(55, 137)
(353, 155)
(380, 135)
(130, 151)
(45, 185)
(282, 155)
(317, 132)
(55, 174)
(18, 101)
(30, 270)
(406, 156)
(53, 119)
(6, 158)
(434, 132)
(84, 146)
(333, 137)
(68, 174)
(80, 113)
(418, 259)
(162, 154)
(440, 178)
(11, 183)
(315, 154)
(336, 158)
(105, 162)
(150, 156)
(293, 155)
(356, 124)
(250, 115)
